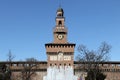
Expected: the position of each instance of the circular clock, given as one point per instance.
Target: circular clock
(60, 36)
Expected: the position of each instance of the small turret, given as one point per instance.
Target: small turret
(60, 12)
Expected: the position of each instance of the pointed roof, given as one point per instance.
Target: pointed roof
(60, 10)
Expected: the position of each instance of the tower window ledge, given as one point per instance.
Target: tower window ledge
(60, 27)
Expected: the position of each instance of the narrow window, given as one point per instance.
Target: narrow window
(60, 23)
(69, 64)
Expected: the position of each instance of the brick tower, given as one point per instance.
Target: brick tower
(60, 52)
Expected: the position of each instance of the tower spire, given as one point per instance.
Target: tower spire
(59, 3)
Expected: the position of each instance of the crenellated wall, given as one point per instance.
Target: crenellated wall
(111, 69)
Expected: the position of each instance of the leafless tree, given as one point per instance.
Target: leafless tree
(91, 59)
(10, 56)
(29, 69)
(8, 69)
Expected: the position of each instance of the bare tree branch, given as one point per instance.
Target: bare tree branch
(92, 59)
(10, 56)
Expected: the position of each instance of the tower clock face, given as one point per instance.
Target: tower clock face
(60, 36)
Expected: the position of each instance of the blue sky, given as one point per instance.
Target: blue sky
(26, 25)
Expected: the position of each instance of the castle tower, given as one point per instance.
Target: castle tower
(60, 52)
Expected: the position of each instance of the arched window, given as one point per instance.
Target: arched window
(69, 64)
(60, 23)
